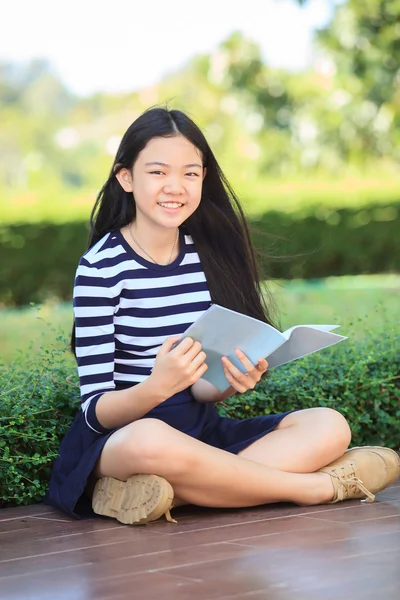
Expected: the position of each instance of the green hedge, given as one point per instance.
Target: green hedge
(38, 261)
(38, 402)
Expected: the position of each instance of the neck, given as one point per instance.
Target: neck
(159, 248)
(160, 240)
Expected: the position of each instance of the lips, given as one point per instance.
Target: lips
(170, 209)
(170, 205)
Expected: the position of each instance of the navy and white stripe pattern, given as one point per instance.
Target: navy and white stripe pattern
(125, 307)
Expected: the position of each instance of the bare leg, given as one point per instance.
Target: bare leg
(303, 442)
(201, 474)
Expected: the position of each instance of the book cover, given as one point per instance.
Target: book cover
(221, 330)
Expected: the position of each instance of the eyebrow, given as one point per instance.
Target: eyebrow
(160, 164)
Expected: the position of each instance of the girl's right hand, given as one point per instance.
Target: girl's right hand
(178, 368)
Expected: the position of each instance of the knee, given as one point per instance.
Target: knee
(148, 441)
(335, 428)
(153, 447)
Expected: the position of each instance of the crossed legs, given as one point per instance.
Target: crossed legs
(303, 442)
(278, 467)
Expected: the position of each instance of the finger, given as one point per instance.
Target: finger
(237, 385)
(184, 346)
(262, 365)
(199, 360)
(237, 373)
(199, 373)
(201, 370)
(246, 362)
(193, 351)
(168, 344)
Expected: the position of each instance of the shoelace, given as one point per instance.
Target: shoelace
(347, 483)
(168, 517)
(358, 484)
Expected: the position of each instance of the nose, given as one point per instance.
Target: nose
(174, 186)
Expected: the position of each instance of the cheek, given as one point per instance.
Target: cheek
(196, 191)
(144, 189)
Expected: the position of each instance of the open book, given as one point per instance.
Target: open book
(221, 330)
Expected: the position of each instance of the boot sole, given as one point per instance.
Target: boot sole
(139, 500)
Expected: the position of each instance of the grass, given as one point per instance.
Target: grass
(359, 304)
(23, 331)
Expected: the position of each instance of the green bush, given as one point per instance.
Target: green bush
(361, 379)
(347, 241)
(38, 400)
(38, 261)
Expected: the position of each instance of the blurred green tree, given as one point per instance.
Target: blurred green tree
(360, 61)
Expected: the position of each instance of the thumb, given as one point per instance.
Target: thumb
(167, 345)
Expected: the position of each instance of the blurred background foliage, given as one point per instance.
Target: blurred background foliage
(335, 123)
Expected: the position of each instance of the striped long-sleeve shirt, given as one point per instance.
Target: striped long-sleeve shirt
(125, 307)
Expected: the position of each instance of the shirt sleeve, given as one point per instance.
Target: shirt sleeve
(94, 309)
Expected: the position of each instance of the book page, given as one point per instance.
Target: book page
(288, 332)
(303, 340)
(220, 331)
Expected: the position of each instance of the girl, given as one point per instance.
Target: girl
(168, 237)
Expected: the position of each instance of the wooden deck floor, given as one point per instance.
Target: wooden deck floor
(280, 552)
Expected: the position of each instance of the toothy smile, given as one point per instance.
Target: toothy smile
(170, 204)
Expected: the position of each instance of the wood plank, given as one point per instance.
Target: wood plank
(279, 551)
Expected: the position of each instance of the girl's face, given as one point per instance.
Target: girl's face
(166, 181)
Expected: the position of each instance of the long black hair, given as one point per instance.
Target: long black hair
(218, 226)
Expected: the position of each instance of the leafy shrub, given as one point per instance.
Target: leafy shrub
(347, 242)
(38, 261)
(361, 379)
(38, 400)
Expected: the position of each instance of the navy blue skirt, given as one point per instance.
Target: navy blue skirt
(81, 447)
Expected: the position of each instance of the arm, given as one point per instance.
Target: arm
(204, 391)
(118, 408)
(104, 407)
(174, 370)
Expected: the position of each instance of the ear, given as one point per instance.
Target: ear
(124, 177)
(204, 172)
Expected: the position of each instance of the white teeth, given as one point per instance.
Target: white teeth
(170, 204)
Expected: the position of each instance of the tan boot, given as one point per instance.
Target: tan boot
(140, 499)
(363, 472)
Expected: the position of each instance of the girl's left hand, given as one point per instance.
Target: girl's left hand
(242, 382)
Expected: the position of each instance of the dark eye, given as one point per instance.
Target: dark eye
(195, 174)
(156, 173)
